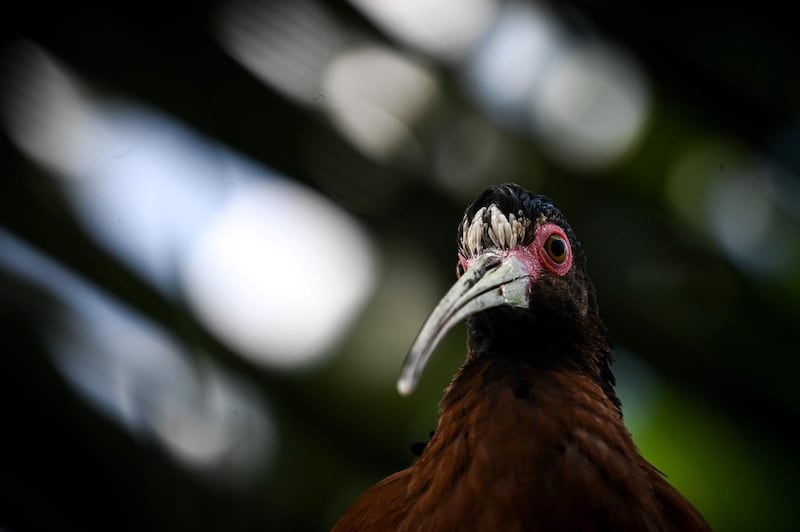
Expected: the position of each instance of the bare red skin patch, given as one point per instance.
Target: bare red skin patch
(537, 246)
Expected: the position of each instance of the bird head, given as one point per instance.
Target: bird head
(523, 285)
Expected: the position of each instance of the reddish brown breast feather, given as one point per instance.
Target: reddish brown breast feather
(506, 457)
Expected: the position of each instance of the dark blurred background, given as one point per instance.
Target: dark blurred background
(222, 223)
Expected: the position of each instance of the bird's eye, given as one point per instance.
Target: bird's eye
(556, 248)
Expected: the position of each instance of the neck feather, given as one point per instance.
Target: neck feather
(535, 343)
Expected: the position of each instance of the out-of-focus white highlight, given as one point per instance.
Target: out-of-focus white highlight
(745, 220)
(286, 44)
(143, 185)
(46, 109)
(280, 272)
(590, 107)
(137, 374)
(586, 101)
(276, 270)
(743, 202)
(374, 95)
(446, 28)
(184, 428)
(511, 61)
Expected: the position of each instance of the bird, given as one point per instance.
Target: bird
(530, 434)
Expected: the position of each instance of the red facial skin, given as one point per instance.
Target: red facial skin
(534, 256)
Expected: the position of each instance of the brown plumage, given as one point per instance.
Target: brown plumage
(530, 433)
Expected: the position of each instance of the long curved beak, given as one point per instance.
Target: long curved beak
(491, 281)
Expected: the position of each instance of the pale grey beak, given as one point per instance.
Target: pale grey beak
(491, 281)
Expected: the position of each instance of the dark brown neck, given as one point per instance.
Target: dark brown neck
(524, 342)
(527, 378)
